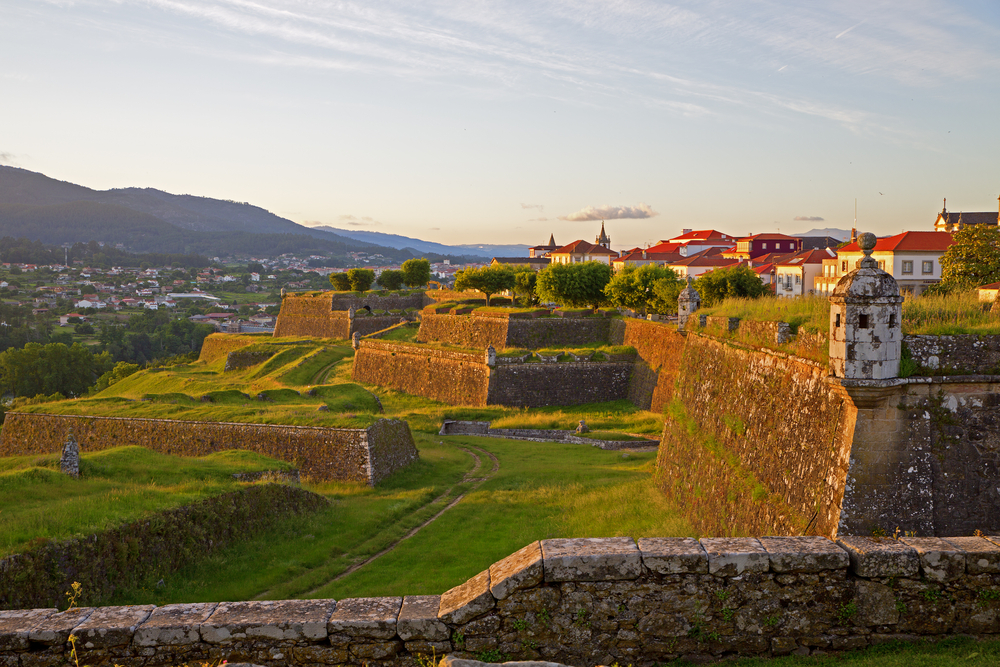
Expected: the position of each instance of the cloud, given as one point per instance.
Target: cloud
(354, 221)
(540, 207)
(538, 220)
(6, 157)
(435, 229)
(808, 218)
(607, 212)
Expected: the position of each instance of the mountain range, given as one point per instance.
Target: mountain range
(37, 207)
(396, 241)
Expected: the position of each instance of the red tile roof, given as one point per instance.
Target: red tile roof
(990, 286)
(806, 257)
(909, 241)
(769, 237)
(665, 246)
(583, 248)
(636, 255)
(703, 235)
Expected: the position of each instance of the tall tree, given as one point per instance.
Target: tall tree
(489, 280)
(340, 282)
(391, 279)
(633, 288)
(574, 285)
(416, 272)
(729, 282)
(361, 279)
(973, 259)
(526, 284)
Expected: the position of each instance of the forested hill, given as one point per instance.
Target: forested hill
(37, 207)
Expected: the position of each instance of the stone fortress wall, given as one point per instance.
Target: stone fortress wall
(327, 314)
(573, 601)
(363, 455)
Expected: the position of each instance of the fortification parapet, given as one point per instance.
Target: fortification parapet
(575, 601)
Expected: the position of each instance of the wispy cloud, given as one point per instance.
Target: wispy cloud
(538, 220)
(808, 218)
(6, 157)
(354, 221)
(540, 207)
(607, 212)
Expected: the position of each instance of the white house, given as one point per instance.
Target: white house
(913, 258)
(796, 275)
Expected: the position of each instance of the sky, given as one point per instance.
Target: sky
(487, 121)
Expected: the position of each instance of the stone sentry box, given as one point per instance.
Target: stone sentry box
(575, 601)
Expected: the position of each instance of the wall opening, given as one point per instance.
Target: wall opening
(863, 321)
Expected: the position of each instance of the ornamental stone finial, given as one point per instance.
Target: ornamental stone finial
(867, 243)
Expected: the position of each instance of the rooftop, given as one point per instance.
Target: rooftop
(909, 241)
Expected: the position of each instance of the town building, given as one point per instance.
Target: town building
(913, 259)
(795, 275)
(543, 250)
(755, 245)
(949, 221)
(581, 251)
(702, 262)
(695, 240)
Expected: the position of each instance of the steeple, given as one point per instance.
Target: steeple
(552, 241)
(602, 238)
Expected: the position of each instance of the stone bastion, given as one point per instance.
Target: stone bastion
(574, 601)
(348, 454)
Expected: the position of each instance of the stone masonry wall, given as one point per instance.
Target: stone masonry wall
(502, 332)
(926, 458)
(659, 349)
(568, 383)
(155, 546)
(573, 601)
(325, 315)
(755, 441)
(955, 354)
(457, 378)
(378, 301)
(364, 455)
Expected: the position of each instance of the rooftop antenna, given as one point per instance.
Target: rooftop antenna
(854, 229)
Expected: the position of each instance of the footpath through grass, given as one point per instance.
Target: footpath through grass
(116, 486)
(541, 490)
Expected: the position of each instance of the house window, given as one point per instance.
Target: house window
(928, 267)
(764, 246)
(798, 279)
(908, 266)
(863, 321)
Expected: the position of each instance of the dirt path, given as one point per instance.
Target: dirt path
(469, 477)
(473, 477)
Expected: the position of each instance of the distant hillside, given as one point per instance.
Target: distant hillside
(396, 241)
(37, 207)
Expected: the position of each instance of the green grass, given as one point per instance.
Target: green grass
(541, 491)
(611, 435)
(944, 653)
(406, 333)
(116, 486)
(808, 313)
(948, 315)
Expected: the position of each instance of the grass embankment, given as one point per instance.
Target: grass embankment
(116, 486)
(540, 491)
(955, 313)
(962, 651)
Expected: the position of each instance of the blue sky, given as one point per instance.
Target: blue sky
(483, 121)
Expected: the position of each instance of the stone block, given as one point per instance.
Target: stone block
(374, 618)
(673, 555)
(804, 554)
(15, 625)
(316, 655)
(376, 650)
(876, 604)
(880, 557)
(418, 619)
(939, 560)
(591, 559)
(111, 626)
(428, 649)
(981, 555)
(731, 556)
(521, 569)
(55, 630)
(465, 602)
(174, 624)
(289, 620)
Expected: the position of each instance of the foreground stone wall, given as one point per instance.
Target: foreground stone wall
(123, 557)
(755, 441)
(363, 455)
(577, 602)
(566, 383)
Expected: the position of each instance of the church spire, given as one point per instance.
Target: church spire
(552, 241)
(603, 238)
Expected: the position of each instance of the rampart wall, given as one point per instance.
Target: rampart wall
(755, 441)
(219, 345)
(378, 301)
(573, 601)
(326, 316)
(961, 353)
(363, 455)
(123, 557)
(659, 349)
(464, 378)
(479, 331)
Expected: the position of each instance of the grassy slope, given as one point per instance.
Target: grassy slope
(541, 490)
(952, 651)
(116, 486)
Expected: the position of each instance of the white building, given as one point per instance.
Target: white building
(913, 259)
(796, 275)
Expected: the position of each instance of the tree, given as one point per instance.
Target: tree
(416, 272)
(526, 285)
(361, 279)
(666, 292)
(489, 280)
(633, 288)
(120, 371)
(391, 279)
(574, 285)
(738, 281)
(973, 259)
(255, 267)
(340, 282)
(84, 328)
(49, 369)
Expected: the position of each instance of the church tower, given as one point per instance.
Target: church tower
(603, 239)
